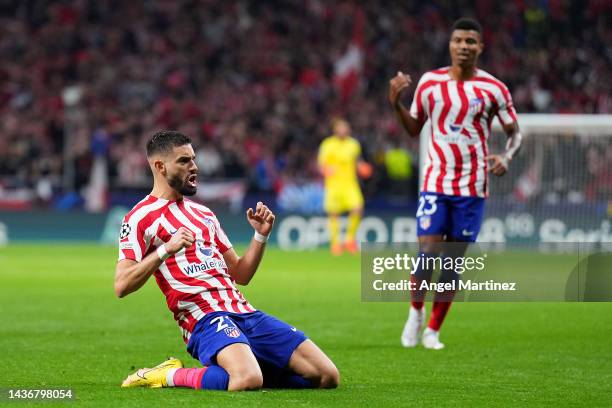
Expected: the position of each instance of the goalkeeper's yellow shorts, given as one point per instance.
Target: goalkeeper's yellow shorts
(338, 201)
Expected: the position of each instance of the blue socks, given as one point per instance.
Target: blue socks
(215, 378)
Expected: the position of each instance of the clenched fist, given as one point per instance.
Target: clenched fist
(182, 238)
(397, 85)
(498, 164)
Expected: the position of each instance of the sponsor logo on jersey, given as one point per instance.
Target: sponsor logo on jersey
(460, 138)
(126, 245)
(207, 252)
(232, 332)
(207, 265)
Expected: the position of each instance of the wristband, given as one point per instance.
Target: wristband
(162, 252)
(513, 145)
(506, 159)
(260, 238)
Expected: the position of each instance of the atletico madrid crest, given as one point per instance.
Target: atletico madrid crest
(232, 332)
(476, 105)
(425, 221)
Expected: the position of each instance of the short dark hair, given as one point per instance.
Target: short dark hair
(164, 140)
(465, 23)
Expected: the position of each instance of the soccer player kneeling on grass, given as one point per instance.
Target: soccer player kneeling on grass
(182, 244)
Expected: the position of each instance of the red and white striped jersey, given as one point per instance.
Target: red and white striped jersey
(195, 280)
(460, 115)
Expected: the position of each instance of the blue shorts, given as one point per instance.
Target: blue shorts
(271, 340)
(457, 217)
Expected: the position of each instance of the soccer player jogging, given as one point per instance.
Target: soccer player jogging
(182, 244)
(460, 102)
(340, 163)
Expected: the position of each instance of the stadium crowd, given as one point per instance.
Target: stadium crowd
(256, 83)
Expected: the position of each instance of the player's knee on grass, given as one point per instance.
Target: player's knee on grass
(329, 377)
(242, 367)
(248, 380)
(324, 376)
(309, 362)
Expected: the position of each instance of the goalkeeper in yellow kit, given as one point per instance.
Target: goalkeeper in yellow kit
(340, 163)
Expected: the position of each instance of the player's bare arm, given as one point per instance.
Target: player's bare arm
(243, 268)
(131, 275)
(499, 162)
(397, 85)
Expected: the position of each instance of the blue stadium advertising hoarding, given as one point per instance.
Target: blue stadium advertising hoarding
(520, 227)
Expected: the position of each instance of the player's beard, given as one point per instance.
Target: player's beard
(181, 185)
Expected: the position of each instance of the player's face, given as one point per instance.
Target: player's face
(342, 129)
(465, 46)
(181, 170)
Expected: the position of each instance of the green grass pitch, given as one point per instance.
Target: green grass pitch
(62, 326)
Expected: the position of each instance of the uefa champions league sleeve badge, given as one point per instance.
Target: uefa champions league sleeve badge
(125, 230)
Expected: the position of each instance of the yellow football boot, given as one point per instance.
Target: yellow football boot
(152, 377)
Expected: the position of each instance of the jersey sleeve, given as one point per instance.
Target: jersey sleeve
(357, 149)
(505, 112)
(131, 240)
(418, 109)
(221, 239)
(323, 156)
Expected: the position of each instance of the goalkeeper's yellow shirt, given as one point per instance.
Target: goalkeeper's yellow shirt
(340, 157)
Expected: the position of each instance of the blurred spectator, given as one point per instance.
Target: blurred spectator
(251, 79)
(398, 166)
